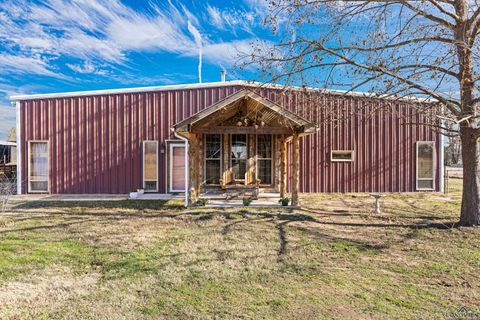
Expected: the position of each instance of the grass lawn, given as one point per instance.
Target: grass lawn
(333, 259)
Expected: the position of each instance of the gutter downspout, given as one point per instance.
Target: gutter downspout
(186, 166)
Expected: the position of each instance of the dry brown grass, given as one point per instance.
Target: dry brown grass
(334, 258)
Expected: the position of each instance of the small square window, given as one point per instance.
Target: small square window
(341, 155)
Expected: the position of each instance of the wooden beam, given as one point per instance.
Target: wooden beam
(295, 169)
(226, 173)
(299, 121)
(251, 161)
(183, 125)
(238, 101)
(197, 147)
(201, 157)
(192, 170)
(243, 130)
(283, 166)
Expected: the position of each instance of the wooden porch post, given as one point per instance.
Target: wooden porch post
(193, 169)
(200, 161)
(251, 160)
(198, 145)
(295, 169)
(283, 166)
(226, 174)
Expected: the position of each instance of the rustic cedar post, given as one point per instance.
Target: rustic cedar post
(197, 164)
(251, 160)
(225, 140)
(192, 169)
(295, 169)
(283, 166)
(200, 161)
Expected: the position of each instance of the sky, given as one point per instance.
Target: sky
(72, 45)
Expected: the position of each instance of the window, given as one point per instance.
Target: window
(425, 165)
(264, 158)
(150, 165)
(341, 155)
(239, 156)
(213, 156)
(38, 166)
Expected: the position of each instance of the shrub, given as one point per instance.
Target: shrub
(201, 202)
(284, 201)
(247, 201)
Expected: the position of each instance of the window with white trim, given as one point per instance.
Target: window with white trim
(341, 155)
(264, 158)
(425, 165)
(38, 168)
(150, 165)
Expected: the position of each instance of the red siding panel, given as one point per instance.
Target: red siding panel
(95, 142)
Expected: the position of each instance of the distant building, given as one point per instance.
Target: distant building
(8, 152)
(8, 159)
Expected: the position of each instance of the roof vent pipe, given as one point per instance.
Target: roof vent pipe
(223, 74)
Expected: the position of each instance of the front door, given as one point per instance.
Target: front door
(177, 168)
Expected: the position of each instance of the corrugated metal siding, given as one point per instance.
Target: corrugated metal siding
(95, 142)
(383, 140)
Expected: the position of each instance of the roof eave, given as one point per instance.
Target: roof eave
(244, 83)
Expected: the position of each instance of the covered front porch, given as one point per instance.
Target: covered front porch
(237, 149)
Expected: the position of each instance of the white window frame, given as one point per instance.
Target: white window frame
(30, 142)
(205, 158)
(352, 158)
(143, 165)
(434, 169)
(271, 159)
(170, 155)
(231, 158)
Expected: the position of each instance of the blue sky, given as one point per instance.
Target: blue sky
(61, 45)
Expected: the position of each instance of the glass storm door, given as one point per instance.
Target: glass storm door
(177, 168)
(213, 156)
(239, 156)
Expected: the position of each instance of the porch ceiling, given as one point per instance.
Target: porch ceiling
(245, 111)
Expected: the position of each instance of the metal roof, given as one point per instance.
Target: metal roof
(207, 85)
(7, 143)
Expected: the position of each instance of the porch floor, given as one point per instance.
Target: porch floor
(219, 200)
(93, 197)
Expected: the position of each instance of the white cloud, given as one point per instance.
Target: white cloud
(215, 17)
(102, 32)
(258, 5)
(226, 53)
(21, 64)
(7, 119)
(234, 19)
(87, 68)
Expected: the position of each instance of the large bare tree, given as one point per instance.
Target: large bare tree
(427, 49)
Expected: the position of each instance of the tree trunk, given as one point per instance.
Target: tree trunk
(470, 214)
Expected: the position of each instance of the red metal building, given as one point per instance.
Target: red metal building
(115, 141)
